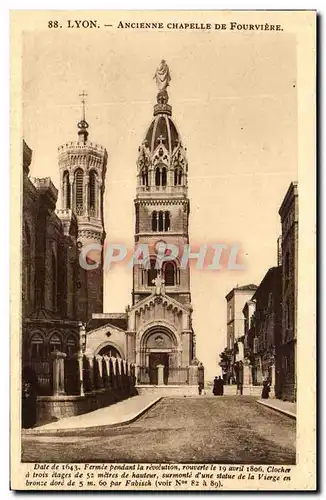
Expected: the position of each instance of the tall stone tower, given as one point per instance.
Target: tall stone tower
(161, 204)
(82, 176)
(159, 334)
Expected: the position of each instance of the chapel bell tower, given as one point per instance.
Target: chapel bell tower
(161, 204)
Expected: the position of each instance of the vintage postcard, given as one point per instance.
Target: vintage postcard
(163, 250)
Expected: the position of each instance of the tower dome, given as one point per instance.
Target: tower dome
(162, 164)
(162, 130)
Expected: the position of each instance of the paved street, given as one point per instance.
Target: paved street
(203, 429)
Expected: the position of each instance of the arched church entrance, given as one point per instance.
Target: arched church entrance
(158, 347)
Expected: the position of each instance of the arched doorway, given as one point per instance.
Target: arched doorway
(109, 350)
(158, 347)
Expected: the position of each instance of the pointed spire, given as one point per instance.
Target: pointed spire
(83, 125)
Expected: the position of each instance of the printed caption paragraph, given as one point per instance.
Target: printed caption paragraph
(151, 476)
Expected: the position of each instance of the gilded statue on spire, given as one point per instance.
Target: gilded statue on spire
(162, 76)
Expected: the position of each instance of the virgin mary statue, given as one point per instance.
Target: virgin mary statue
(162, 76)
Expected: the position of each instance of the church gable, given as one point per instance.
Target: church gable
(159, 308)
(105, 338)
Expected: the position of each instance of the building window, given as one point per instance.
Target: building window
(170, 274)
(163, 176)
(55, 343)
(154, 221)
(71, 346)
(37, 350)
(66, 190)
(167, 221)
(178, 177)
(92, 192)
(161, 221)
(79, 186)
(151, 273)
(157, 177)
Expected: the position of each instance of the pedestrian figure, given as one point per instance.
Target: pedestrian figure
(220, 386)
(266, 388)
(215, 386)
(201, 378)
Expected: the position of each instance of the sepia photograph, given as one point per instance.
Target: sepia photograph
(159, 230)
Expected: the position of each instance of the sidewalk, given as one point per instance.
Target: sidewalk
(285, 407)
(114, 415)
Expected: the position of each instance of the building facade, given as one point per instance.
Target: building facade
(289, 221)
(235, 301)
(263, 330)
(49, 264)
(233, 355)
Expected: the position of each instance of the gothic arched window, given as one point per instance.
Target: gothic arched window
(151, 273)
(66, 190)
(163, 176)
(55, 343)
(170, 274)
(178, 177)
(92, 192)
(37, 350)
(157, 176)
(160, 221)
(167, 221)
(154, 221)
(71, 346)
(79, 191)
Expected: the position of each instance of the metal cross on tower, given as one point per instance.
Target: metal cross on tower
(83, 95)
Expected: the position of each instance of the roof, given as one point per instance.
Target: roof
(244, 288)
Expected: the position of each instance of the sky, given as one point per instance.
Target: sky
(234, 101)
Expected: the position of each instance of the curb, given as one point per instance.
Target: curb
(77, 430)
(279, 410)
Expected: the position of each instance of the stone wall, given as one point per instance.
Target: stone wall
(50, 408)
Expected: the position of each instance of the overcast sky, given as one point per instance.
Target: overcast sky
(234, 102)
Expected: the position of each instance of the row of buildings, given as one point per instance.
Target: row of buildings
(262, 320)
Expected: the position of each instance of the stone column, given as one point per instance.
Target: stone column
(160, 374)
(80, 359)
(246, 374)
(86, 194)
(99, 371)
(72, 200)
(58, 371)
(273, 376)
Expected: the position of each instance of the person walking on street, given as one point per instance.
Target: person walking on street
(215, 386)
(220, 386)
(266, 388)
